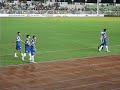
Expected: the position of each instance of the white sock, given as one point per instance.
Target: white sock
(24, 55)
(30, 56)
(15, 54)
(107, 48)
(100, 48)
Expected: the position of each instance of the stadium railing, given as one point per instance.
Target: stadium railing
(7, 11)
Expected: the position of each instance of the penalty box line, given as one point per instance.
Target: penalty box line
(66, 50)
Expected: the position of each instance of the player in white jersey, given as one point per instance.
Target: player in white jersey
(101, 38)
(18, 45)
(27, 47)
(104, 41)
(33, 49)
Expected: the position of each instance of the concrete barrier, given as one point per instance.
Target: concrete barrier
(51, 15)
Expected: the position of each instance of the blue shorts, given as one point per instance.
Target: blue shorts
(33, 51)
(105, 42)
(18, 46)
(27, 49)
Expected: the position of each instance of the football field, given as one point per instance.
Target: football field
(58, 38)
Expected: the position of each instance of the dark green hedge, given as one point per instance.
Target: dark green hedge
(111, 15)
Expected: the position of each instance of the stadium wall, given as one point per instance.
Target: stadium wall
(51, 15)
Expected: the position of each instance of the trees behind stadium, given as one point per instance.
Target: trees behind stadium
(93, 1)
(81, 1)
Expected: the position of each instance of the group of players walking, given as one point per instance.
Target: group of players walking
(29, 47)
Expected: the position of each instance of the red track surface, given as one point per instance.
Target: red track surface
(100, 73)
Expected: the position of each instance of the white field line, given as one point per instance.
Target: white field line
(5, 44)
(87, 48)
(59, 59)
(111, 81)
(72, 59)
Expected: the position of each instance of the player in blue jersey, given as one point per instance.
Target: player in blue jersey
(101, 38)
(33, 49)
(27, 47)
(104, 41)
(18, 44)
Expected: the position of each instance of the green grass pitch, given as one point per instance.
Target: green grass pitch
(58, 38)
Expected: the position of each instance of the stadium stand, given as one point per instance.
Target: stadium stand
(37, 7)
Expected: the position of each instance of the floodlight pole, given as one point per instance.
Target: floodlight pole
(114, 2)
(85, 2)
(72, 1)
(116, 7)
(98, 6)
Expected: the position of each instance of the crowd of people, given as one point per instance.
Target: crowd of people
(31, 6)
(35, 7)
